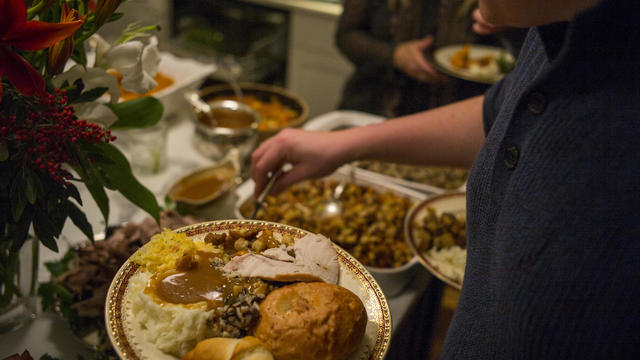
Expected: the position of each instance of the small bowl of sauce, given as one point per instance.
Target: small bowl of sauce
(204, 185)
(224, 125)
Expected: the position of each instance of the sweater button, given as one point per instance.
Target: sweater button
(536, 103)
(511, 155)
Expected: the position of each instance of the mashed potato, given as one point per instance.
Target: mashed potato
(173, 329)
(450, 261)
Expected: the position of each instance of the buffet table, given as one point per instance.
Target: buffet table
(48, 333)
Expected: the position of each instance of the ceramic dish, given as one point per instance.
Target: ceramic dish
(204, 185)
(452, 202)
(187, 74)
(442, 60)
(263, 94)
(123, 334)
(392, 280)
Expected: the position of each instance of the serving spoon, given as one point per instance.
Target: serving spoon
(272, 179)
(334, 206)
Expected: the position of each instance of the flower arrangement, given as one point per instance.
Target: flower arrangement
(55, 130)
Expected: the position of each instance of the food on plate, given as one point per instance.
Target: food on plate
(313, 259)
(370, 227)
(441, 177)
(80, 280)
(484, 66)
(163, 81)
(247, 348)
(273, 113)
(442, 238)
(317, 321)
(190, 289)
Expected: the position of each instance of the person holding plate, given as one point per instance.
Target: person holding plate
(552, 199)
(390, 41)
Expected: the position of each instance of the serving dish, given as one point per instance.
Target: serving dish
(122, 330)
(345, 119)
(418, 186)
(454, 203)
(264, 94)
(342, 119)
(392, 279)
(187, 74)
(442, 61)
(204, 184)
(221, 126)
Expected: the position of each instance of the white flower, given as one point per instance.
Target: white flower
(136, 62)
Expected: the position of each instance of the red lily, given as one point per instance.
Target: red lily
(61, 51)
(16, 31)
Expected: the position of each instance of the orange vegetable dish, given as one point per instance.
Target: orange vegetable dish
(462, 60)
(273, 113)
(163, 81)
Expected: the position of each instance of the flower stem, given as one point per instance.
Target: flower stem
(34, 10)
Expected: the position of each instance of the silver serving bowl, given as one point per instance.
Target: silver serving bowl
(221, 126)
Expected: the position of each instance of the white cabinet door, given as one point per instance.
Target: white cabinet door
(316, 71)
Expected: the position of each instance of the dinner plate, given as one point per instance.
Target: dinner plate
(442, 61)
(449, 202)
(130, 345)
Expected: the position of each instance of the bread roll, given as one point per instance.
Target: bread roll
(247, 348)
(316, 321)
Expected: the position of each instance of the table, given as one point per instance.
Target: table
(48, 333)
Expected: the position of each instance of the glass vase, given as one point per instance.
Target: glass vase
(18, 280)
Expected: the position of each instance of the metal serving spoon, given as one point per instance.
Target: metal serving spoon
(334, 206)
(272, 179)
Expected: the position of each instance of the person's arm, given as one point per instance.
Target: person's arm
(451, 135)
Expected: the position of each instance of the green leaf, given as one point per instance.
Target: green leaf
(115, 16)
(19, 230)
(91, 178)
(142, 112)
(79, 55)
(4, 152)
(120, 175)
(47, 296)
(18, 202)
(73, 192)
(90, 95)
(79, 219)
(97, 156)
(45, 230)
(38, 185)
(29, 188)
(57, 268)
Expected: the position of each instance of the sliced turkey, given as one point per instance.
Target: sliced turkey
(314, 259)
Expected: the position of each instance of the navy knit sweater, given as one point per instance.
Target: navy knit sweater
(554, 199)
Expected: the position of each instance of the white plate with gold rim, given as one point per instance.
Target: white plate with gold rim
(130, 345)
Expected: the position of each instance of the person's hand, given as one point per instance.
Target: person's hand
(482, 27)
(409, 58)
(312, 154)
